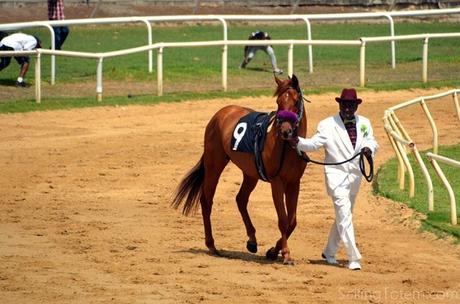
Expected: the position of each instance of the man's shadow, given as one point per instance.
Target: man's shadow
(256, 69)
(323, 262)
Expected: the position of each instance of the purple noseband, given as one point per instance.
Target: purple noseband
(284, 115)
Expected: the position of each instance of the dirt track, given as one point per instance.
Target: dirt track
(85, 216)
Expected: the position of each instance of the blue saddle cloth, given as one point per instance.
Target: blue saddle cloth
(249, 136)
(250, 131)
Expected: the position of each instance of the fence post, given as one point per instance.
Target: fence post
(99, 79)
(224, 67)
(425, 60)
(291, 59)
(457, 106)
(38, 91)
(224, 53)
(453, 207)
(426, 174)
(160, 71)
(53, 57)
(401, 166)
(310, 47)
(402, 151)
(362, 64)
(432, 124)
(149, 41)
(392, 43)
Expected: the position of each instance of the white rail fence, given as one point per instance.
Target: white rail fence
(224, 19)
(400, 140)
(160, 47)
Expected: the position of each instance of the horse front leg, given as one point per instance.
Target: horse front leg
(242, 199)
(292, 197)
(278, 190)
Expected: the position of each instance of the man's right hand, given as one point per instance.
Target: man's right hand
(293, 141)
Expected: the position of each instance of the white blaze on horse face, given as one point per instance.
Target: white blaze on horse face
(286, 102)
(238, 134)
(286, 99)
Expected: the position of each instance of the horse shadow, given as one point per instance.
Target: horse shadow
(236, 255)
(8, 82)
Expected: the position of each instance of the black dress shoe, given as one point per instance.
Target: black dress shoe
(21, 84)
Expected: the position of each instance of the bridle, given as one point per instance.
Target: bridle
(292, 117)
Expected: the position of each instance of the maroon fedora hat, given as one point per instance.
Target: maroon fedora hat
(348, 95)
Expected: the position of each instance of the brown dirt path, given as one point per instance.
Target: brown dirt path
(85, 216)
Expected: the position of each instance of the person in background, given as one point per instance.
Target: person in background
(342, 136)
(18, 42)
(250, 51)
(56, 12)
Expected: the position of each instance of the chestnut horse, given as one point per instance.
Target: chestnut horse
(283, 167)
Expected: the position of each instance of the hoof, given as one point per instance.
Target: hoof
(288, 262)
(214, 252)
(251, 246)
(272, 254)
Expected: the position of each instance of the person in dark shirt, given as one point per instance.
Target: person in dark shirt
(56, 12)
(250, 51)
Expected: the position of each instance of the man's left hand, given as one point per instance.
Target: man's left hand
(367, 152)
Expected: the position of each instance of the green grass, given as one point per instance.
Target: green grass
(438, 220)
(194, 70)
(181, 62)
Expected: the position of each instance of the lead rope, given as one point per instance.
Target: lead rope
(362, 165)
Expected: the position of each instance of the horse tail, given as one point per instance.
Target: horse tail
(190, 189)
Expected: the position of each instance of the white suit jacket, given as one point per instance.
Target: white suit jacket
(343, 179)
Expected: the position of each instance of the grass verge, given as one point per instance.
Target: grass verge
(437, 221)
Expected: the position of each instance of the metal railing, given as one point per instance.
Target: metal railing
(160, 47)
(223, 19)
(400, 140)
(453, 205)
(424, 37)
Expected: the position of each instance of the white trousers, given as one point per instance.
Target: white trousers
(342, 228)
(251, 51)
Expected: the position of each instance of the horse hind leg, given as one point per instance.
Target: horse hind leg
(214, 165)
(242, 199)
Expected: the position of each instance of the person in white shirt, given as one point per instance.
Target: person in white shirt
(342, 136)
(18, 42)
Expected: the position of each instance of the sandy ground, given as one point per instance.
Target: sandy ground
(85, 215)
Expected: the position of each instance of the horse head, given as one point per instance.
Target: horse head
(290, 106)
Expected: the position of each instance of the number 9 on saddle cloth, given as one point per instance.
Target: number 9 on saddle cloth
(249, 136)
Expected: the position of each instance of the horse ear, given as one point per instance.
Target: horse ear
(294, 81)
(278, 81)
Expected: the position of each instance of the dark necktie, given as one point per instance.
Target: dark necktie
(350, 126)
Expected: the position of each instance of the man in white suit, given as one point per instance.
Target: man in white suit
(342, 136)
